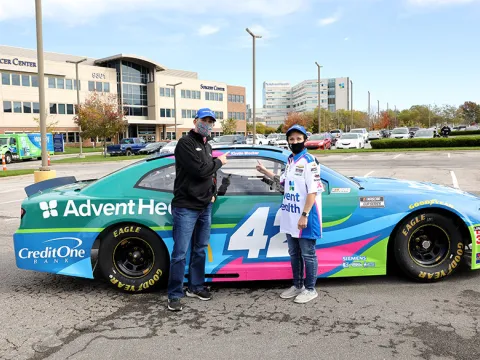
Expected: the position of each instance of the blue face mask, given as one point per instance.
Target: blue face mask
(203, 128)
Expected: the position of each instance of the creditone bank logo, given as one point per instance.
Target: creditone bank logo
(88, 208)
(60, 250)
(341, 85)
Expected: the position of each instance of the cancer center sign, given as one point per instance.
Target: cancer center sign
(17, 62)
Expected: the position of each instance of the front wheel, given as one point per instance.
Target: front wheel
(129, 152)
(133, 259)
(428, 247)
(8, 158)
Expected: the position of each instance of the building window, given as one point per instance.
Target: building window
(213, 96)
(70, 109)
(60, 84)
(27, 107)
(61, 109)
(34, 80)
(69, 84)
(71, 137)
(135, 94)
(136, 111)
(167, 113)
(7, 106)
(106, 87)
(51, 83)
(16, 79)
(99, 86)
(53, 108)
(25, 80)
(36, 108)
(17, 107)
(5, 79)
(91, 86)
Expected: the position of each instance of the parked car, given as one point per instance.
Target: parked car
(319, 141)
(412, 131)
(425, 134)
(118, 228)
(280, 141)
(351, 141)
(169, 148)
(385, 133)
(337, 133)
(374, 135)
(127, 146)
(229, 140)
(260, 139)
(401, 133)
(152, 148)
(361, 131)
(272, 137)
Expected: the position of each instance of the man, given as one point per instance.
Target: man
(194, 193)
(445, 130)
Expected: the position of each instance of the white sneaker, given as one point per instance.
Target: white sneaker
(292, 292)
(306, 296)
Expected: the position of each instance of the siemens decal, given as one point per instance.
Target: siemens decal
(17, 62)
(217, 88)
(63, 253)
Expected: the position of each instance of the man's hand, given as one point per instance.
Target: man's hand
(260, 168)
(213, 199)
(223, 158)
(302, 222)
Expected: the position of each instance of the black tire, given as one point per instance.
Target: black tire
(428, 247)
(133, 259)
(8, 158)
(128, 152)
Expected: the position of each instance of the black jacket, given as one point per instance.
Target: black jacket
(195, 181)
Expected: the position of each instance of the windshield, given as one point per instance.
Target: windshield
(282, 137)
(126, 141)
(357, 131)
(349, 136)
(400, 131)
(151, 145)
(171, 144)
(317, 137)
(3, 141)
(227, 138)
(335, 131)
(424, 133)
(271, 136)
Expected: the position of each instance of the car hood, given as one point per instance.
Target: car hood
(398, 185)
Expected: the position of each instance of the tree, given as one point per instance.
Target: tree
(51, 123)
(269, 130)
(295, 118)
(470, 112)
(100, 115)
(229, 126)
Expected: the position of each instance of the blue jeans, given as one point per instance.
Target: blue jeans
(191, 229)
(303, 251)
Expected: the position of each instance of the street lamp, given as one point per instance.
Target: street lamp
(319, 118)
(254, 120)
(78, 103)
(41, 85)
(175, 104)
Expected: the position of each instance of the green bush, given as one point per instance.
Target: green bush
(463, 141)
(464, 133)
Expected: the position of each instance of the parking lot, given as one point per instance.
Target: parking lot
(57, 317)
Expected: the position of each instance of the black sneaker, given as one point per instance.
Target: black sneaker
(174, 305)
(201, 294)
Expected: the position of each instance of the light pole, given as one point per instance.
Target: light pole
(254, 120)
(319, 106)
(78, 104)
(368, 112)
(351, 99)
(41, 85)
(378, 110)
(175, 104)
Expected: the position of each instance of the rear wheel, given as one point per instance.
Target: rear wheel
(428, 247)
(133, 259)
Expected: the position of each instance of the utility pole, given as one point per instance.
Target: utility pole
(254, 116)
(351, 100)
(319, 106)
(175, 104)
(378, 110)
(78, 104)
(368, 112)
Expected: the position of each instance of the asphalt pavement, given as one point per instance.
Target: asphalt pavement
(56, 317)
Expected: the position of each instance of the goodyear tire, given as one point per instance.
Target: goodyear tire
(133, 259)
(428, 247)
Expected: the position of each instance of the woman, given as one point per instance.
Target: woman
(301, 217)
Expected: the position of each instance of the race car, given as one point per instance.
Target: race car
(119, 227)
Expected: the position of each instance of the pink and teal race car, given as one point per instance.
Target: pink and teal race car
(119, 227)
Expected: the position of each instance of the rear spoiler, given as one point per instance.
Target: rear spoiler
(49, 184)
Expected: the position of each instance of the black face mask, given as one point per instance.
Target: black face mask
(297, 148)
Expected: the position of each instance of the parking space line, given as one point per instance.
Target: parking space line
(349, 157)
(9, 202)
(370, 173)
(448, 155)
(454, 180)
(397, 156)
